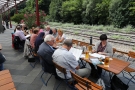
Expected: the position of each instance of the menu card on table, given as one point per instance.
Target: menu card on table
(97, 55)
(76, 52)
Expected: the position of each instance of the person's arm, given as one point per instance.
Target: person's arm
(108, 51)
(57, 38)
(62, 38)
(72, 61)
(94, 49)
(78, 67)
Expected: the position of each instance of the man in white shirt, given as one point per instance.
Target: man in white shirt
(20, 34)
(66, 59)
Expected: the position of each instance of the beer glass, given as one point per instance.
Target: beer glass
(87, 56)
(89, 48)
(106, 62)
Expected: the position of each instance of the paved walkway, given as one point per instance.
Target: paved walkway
(24, 76)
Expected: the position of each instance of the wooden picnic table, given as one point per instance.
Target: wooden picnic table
(6, 82)
(116, 66)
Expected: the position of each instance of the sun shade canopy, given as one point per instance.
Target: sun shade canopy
(6, 5)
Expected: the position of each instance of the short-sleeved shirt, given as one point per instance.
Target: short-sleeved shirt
(65, 59)
(63, 36)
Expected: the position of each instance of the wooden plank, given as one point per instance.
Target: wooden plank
(5, 81)
(8, 86)
(2, 77)
(115, 66)
(13, 89)
(4, 72)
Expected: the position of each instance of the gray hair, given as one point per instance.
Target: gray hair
(48, 37)
(68, 42)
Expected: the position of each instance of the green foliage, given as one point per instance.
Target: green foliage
(120, 13)
(17, 18)
(30, 19)
(44, 5)
(71, 11)
(30, 7)
(54, 10)
(102, 11)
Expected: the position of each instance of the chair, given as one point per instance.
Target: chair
(63, 70)
(75, 42)
(17, 42)
(44, 72)
(84, 83)
(32, 53)
(129, 70)
(114, 50)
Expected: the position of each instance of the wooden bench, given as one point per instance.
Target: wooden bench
(6, 82)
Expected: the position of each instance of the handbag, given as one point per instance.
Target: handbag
(2, 58)
(31, 59)
(117, 84)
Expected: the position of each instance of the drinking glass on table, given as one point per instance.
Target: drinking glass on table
(106, 62)
(89, 48)
(87, 56)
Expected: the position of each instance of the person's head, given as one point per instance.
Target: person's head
(47, 28)
(103, 37)
(60, 32)
(54, 30)
(67, 43)
(41, 35)
(49, 39)
(18, 27)
(35, 31)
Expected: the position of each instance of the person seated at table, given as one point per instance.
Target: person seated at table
(55, 34)
(39, 40)
(48, 30)
(21, 35)
(33, 38)
(61, 36)
(45, 51)
(67, 60)
(103, 47)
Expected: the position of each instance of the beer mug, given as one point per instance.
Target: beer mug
(106, 62)
(87, 56)
(89, 48)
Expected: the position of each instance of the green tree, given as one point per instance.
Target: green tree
(102, 10)
(89, 13)
(132, 13)
(44, 5)
(120, 13)
(55, 9)
(17, 18)
(71, 11)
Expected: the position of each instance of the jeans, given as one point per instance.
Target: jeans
(1, 67)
